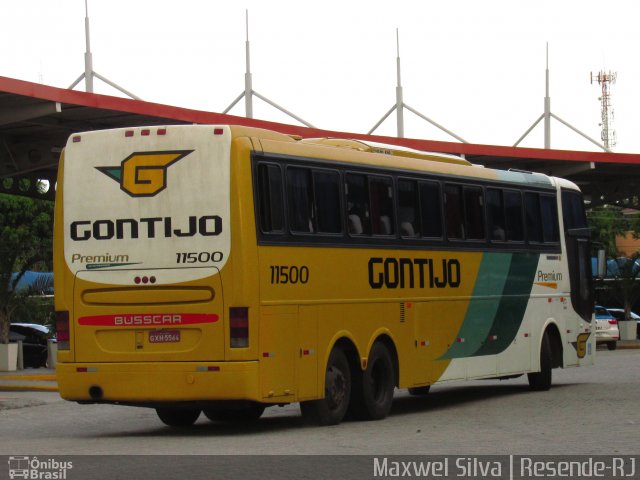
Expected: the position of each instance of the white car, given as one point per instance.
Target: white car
(618, 313)
(607, 330)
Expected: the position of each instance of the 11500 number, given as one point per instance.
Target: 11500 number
(284, 274)
(199, 257)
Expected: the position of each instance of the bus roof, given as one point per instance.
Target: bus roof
(374, 147)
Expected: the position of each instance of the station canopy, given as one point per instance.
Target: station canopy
(36, 121)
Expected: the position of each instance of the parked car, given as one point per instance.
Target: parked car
(618, 313)
(607, 330)
(34, 338)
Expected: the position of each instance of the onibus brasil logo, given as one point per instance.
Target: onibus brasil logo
(144, 174)
(38, 469)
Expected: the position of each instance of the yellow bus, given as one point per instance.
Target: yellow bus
(225, 269)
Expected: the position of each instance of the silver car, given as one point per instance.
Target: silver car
(607, 330)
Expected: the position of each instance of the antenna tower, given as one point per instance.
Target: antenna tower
(547, 115)
(249, 92)
(89, 72)
(400, 105)
(605, 79)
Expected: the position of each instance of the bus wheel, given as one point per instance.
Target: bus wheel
(247, 414)
(178, 417)
(374, 396)
(331, 409)
(541, 381)
(419, 391)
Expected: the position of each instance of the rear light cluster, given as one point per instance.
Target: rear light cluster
(62, 329)
(239, 327)
(145, 132)
(613, 321)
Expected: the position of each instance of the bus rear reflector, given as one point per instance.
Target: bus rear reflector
(62, 329)
(239, 327)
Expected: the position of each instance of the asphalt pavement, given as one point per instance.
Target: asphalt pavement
(44, 379)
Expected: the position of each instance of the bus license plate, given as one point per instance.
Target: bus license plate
(164, 336)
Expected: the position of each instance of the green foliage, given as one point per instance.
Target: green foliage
(26, 232)
(606, 223)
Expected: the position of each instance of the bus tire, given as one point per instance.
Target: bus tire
(247, 414)
(419, 391)
(541, 381)
(373, 395)
(331, 409)
(178, 417)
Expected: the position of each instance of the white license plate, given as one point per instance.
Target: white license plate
(164, 336)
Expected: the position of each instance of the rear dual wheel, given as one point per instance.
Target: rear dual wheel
(373, 389)
(331, 409)
(178, 417)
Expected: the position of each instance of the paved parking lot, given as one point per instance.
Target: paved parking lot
(590, 410)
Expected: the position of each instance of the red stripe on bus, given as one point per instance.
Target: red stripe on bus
(148, 319)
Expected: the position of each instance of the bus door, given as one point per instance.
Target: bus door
(577, 238)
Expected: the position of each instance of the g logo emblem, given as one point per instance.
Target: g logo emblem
(144, 174)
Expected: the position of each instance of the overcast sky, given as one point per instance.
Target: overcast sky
(477, 67)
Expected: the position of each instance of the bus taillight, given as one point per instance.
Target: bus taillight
(239, 327)
(62, 329)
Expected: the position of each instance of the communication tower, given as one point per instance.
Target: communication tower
(605, 80)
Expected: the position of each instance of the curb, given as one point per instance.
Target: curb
(42, 378)
(28, 388)
(13, 382)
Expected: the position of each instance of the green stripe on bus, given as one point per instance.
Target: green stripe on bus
(513, 304)
(479, 319)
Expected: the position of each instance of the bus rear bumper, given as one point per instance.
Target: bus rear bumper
(161, 382)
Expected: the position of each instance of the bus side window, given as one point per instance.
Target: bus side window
(270, 198)
(454, 209)
(533, 217)
(358, 204)
(513, 216)
(300, 196)
(326, 186)
(431, 209)
(495, 215)
(473, 213)
(550, 228)
(408, 209)
(382, 211)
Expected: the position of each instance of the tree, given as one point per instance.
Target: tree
(26, 232)
(607, 222)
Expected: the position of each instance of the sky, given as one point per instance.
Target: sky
(477, 67)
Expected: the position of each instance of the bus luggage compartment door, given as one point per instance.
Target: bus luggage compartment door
(148, 322)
